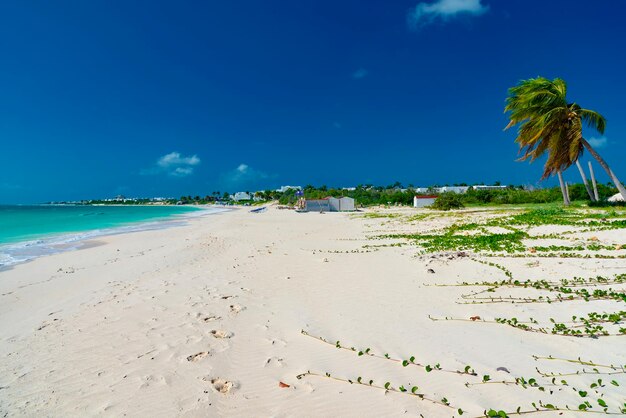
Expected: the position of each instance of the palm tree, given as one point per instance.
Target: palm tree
(549, 123)
(564, 192)
(585, 182)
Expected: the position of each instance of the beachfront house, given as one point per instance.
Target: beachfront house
(420, 201)
(316, 205)
(240, 196)
(330, 204)
(346, 204)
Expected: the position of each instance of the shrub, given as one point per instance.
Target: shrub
(448, 201)
(606, 204)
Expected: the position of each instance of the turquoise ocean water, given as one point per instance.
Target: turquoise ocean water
(30, 231)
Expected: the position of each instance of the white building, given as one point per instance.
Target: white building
(483, 187)
(316, 205)
(240, 196)
(420, 201)
(444, 189)
(330, 204)
(453, 189)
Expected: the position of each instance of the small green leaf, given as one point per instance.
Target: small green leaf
(412, 359)
(414, 389)
(387, 385)
(602, 403)
(614, 383)
(428, 368)
(582, 393)
(405, 363)
(402, 389)
(460, 411)
(486, 378)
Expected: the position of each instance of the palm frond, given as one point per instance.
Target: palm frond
(593, 120)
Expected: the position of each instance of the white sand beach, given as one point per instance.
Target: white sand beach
(206, 319)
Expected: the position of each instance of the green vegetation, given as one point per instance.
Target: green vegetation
(369, 195)
(478, 237)
(448, 201)
(590, 395)
(509, 243)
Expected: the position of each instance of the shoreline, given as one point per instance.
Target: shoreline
(25, 250)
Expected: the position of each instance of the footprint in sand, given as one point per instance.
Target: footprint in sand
(207, 318)
(221, 334)
(221, 385)
(198, 356)
(236, 308)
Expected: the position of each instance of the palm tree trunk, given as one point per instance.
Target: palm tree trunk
(563, 189)
(593, 182)
(582, 174)
(604, 165)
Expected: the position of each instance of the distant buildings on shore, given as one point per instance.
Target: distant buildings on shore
(457, 189)
(283, 189)
(240, 196)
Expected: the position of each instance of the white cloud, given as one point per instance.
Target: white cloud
(425, 13)
(359, 74)
(243, 176)
(181, 171)
(600, 142)
(174, 164)
(174, 159)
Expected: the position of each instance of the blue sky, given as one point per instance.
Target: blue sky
(150, 98)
